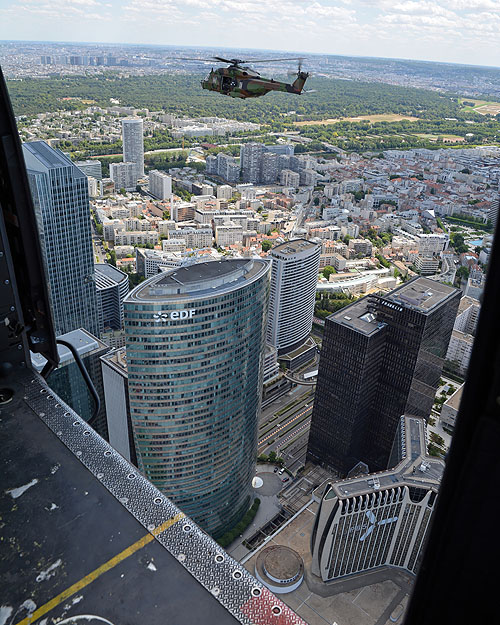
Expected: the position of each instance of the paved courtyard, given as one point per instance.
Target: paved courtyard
(370, 598)
(268, 509)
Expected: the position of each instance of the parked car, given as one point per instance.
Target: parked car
(281, 471)
(285, 479)
(275, 469)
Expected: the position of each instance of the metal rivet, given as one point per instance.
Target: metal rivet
(181, 557)
(276, 610)
(219, 558)
(237, 574)
(131, 476)
(256, 592)
(100, 476)
(157, 500)
(78, 453)
(107, 453)
(215, 591)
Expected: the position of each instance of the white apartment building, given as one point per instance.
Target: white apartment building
(460, 349)
(289, 178)
(432, 243)
(124, 175)
(224, 192)
(160, 184)
(450, 408)
(195, 238)
(134, 223)
(427, 265)
(361, 246)
(293, 289)
(165, 226)
(467, 315)
(174, 245)
(149, 262)
(228, 234)
(136, 237)
(110, 226)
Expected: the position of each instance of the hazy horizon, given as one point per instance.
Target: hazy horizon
(443, 31)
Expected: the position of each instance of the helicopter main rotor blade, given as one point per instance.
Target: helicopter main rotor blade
(298, 58)
(231, 61)
(184, 58)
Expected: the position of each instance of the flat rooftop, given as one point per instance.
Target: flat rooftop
(107, 276)
(416, 468)
(358, 317)
(118, 359)
(84, 343)
(420, 294)
(200, 280)
(293, 247)
(466, 302)
(48, 157)
(455, 399)
(462, 336)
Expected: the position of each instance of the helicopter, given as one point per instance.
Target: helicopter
(239, 81)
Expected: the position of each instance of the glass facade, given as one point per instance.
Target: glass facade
(381, 358)
(61, 201)
(195, 341)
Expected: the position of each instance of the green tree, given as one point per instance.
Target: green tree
(266, 245)
(328, 270)
(463, 273)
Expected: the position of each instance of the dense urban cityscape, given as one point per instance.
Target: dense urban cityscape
(277, 310)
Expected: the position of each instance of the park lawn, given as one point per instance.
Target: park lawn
(446, 138)
(381, 117)
(485, 107)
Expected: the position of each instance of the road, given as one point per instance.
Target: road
(278, 431)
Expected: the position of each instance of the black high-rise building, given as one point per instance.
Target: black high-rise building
(381, 358)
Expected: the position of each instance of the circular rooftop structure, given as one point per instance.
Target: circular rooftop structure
(280, 569)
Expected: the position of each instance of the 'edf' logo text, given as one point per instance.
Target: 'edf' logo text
(174, 314)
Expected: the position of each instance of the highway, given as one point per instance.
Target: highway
(285, 420)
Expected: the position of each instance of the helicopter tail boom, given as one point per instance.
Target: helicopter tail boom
(299, 82)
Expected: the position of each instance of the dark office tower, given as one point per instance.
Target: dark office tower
(61, 200)
(381, 358)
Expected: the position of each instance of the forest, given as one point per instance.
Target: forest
(182, 94)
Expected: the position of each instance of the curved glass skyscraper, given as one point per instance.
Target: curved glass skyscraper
(195, 340)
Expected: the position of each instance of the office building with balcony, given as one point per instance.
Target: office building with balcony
(112, 288)
(195, 344)
(293, 291)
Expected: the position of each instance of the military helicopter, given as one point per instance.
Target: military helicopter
(239, 81)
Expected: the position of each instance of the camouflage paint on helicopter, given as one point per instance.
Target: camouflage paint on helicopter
(238, 81)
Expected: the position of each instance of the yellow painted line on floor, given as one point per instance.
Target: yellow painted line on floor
(88, 579)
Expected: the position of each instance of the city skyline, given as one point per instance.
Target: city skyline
(453, 31)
